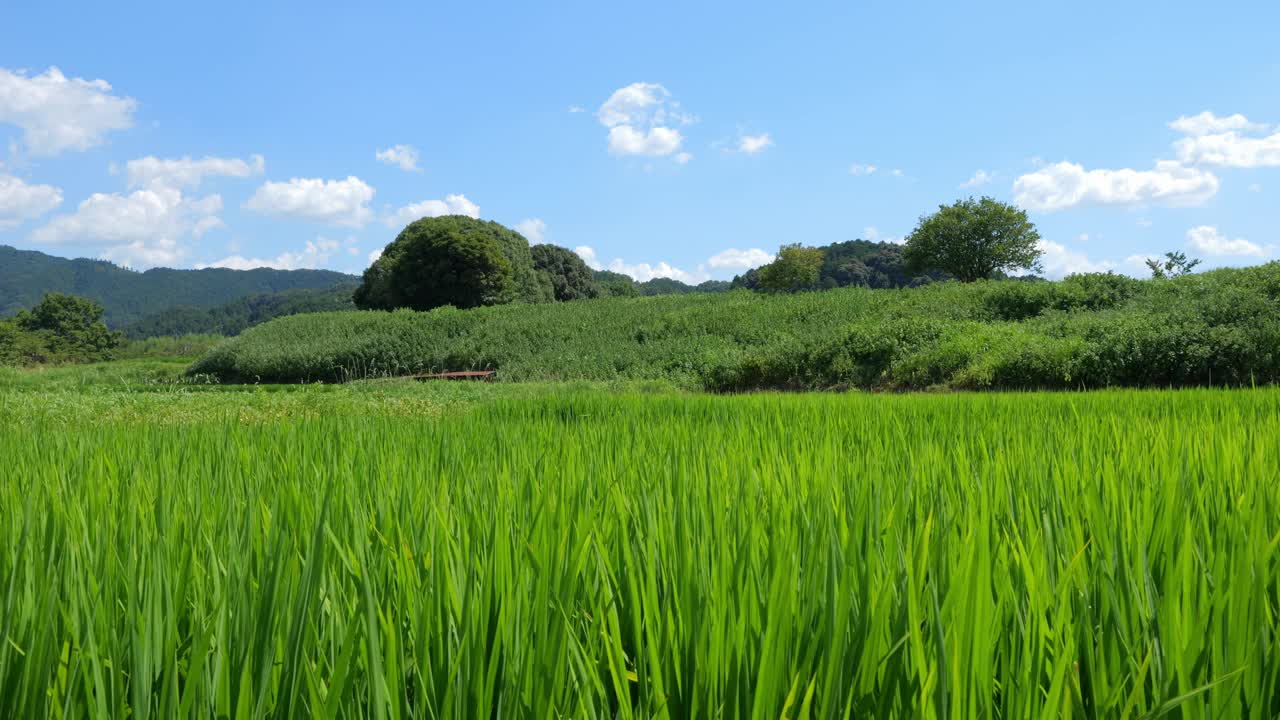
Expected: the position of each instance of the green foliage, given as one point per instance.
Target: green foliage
(614, 284)
(795, 268)
(973, 240)
(19, 348)
(570, 277)
(449, 260)
(169, 346)
(128, 296)
(376, 551)
(1216, 328)
(1175, 264)
(861, 263)
(232, 318)
(59, 329)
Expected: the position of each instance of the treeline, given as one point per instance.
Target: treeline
(59, 329)
(463, 262)
(234, 317)
(128, 296)
(856, 263)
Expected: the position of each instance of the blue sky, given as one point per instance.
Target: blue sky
(663, 138)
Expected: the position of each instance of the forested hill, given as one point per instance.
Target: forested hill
(129, 296)
(234, 317)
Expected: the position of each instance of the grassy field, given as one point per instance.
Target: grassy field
(404, 550)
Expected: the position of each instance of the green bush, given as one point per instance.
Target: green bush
(1094, 291)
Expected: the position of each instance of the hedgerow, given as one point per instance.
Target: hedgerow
(1216, 328)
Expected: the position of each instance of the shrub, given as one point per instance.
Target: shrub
(1094, 291)
(1013, 301)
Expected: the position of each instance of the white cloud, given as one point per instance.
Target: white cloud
(1059, 260)
(186, 172)
(640, 272)
(658, 141)
(533, 229)
(1207, 240)
(338, 202)
(862, 169)
(684, 158)
(576, 109)
(1206, 123)
(1230, 149)
(728, 260)
(896, 172)
(316, 254)
(981, 177)
(1065, 185)
(640, 117)
(450, 205)
(57, 113)
(20, 201)
(375, 254)
(752, 144)
(642, 104)
(874, 235)
(404, 156)
(735, 259)
(141, 229)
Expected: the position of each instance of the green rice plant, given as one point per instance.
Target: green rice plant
(588, 554)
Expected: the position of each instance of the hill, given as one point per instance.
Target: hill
(129, 296)
(234, 317)
(1216, 328)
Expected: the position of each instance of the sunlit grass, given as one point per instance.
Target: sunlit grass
(542, 553)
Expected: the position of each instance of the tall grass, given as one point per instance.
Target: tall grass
(1219, 328)
(1106, 555)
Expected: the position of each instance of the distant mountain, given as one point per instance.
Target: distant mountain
(129, 296)
(234, 317)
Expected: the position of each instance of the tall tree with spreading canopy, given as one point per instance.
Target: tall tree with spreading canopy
(796, 268)
(61, 328)
(973, 239)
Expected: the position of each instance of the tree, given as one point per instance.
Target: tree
(1175, 264)
(449, 260)
(973, 239)
(455, 253)
(570, 277)
(795, 268)
(614, 284)
(70, 327)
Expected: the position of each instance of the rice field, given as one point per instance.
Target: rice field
(552, 553)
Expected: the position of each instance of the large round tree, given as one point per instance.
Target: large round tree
(451, 260)
(972, 239)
